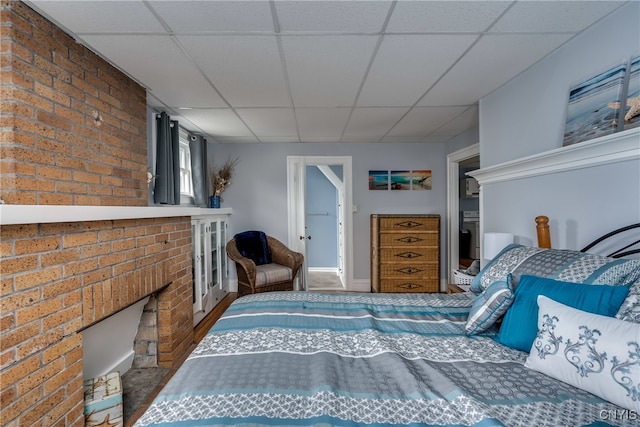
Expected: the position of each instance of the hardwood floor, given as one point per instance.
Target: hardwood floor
(199, 332)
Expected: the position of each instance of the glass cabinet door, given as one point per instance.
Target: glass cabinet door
(214, 248)
(205, 278)
(194, 264)
(209, 264)
(223, 254)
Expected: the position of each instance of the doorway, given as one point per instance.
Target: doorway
(468, 158)
(319, 202)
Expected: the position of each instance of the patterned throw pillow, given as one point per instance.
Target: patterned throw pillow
(567, 266)
(489, 306)
(630, 309)
(595, 353)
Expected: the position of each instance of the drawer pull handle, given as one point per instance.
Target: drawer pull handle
(409, 255)
(409, 270)
(409, 224)
(409, 239)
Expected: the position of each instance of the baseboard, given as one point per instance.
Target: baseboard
(360, 285)
(323, 270)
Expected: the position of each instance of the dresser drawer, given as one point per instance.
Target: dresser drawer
(409, 239)
(409, 254)
(409, 223)
(409, 270)
(422, 285)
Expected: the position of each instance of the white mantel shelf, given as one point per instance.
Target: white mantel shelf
(617, 147)
(39, 214)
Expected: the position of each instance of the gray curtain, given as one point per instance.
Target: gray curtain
(198, 149)
(167, 182)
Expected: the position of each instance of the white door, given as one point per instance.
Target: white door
(296, 197)
(296, 183)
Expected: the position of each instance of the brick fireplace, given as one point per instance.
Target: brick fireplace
(73, 133)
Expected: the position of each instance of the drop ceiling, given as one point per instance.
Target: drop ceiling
(265, 71)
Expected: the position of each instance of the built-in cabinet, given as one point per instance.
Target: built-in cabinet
(210, 264)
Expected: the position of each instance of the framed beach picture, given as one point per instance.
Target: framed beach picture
(400, 180)
(631, 112)
(421, 180)
(378, 180)
(595, 105)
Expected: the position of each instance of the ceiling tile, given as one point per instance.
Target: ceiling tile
(101, 16)
(279, 139)
(326, 71)
(332, 16)
(553, 16)
(407, 65)
(268, 122)
(237, 140)
(410, 16)
(237, 78)
(363, 139)
(493, 61)
(219, 123)
(215, 16)
(435, 139)
(321, 123)
(420, 121)
(467, 120)
(164, 65)
(372, 123)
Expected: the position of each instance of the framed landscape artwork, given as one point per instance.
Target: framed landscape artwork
(378, 180)
(632, 109)
(421, 180)
(594, 105)
(400, 180)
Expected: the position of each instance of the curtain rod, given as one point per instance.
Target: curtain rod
(190, 134)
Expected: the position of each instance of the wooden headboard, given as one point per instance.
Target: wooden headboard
(631, 247)
(542, 227)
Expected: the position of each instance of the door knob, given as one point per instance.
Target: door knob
(302, 237)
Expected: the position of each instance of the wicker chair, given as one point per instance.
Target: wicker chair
(275, 276)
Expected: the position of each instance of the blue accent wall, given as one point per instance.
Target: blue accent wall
(322, 220)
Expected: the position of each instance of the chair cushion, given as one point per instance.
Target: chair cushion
(272, 273)
(253, 245)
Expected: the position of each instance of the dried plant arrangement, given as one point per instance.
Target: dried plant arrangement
(221, 178)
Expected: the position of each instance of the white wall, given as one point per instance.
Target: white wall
(258, 193)
(527, 116)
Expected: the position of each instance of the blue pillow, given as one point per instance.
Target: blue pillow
(253, 245)
(520, 324)
(489, 306)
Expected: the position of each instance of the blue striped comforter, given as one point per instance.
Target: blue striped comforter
(297, 358)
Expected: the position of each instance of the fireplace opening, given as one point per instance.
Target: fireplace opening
(126, 342)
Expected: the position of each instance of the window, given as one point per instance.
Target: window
(186, 185)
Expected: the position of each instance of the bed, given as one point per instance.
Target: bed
(302, 358)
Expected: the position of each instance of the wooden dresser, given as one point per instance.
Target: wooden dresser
(405, 253)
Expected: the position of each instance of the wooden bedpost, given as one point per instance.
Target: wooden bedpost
(542, 227)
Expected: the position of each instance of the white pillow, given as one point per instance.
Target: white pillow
(598, 354)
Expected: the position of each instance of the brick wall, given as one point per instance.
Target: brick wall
(73, 132)
(73, 128)
(59, 278)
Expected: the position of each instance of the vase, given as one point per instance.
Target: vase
(214, 202)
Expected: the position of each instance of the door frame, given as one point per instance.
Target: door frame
(296, 196)
(453, 205)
